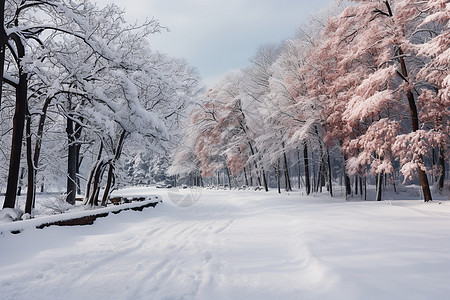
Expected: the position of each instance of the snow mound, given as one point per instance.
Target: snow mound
(10, 215)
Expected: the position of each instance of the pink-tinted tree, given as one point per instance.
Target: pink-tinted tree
(434, 100)
(367, 73)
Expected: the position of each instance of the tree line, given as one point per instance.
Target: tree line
(362, 90)
(82, 87)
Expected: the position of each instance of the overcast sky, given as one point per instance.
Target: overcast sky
(216, 36)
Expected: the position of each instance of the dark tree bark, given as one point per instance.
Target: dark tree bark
(89, 188)
(330, 185)
(245, 176)
(287, 179)
(277, 172)
(71, 162)
(218, 179)
(299, 173)
(306, 163)
(98, 174)
(3, 41)
(379, 186)
(348, 188)
(110, 181)
(313, 166)
(31, 188)
(441, 179)
(112, 164)
(266, 187)
(79, 158)
(365, 188)
(30, 203)
(229, 177)
(361, 186)
(18, 128)
(321, 172)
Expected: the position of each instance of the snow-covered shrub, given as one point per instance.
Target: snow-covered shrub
(58, 205)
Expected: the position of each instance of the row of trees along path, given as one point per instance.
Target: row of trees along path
(365, 85)
(96, 72)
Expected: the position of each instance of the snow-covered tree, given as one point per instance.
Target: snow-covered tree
(368, 72)
(99, 73)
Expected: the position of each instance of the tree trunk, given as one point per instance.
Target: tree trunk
(245, 175)
(19, 188)
(3, 41)
(329, 174)
(365, 188)
(348, 188)
(218, 179)
(71, 162)
(379, 186)
(299, 173)
(321, 175)
(266, 187)
(414, 117)
(98, 174)
(229, 178)
(77, 171)
(30, 203)
(361, 186)
(112, 164)
(109, 183)
(287, 179)
(87, 194)
(306, 163)
(356, 184)
(433, 163)
(18, 127)
(314, 180)
(415, 126)
(441, 179)
(277, 172)
(79, 159)
(31, 186)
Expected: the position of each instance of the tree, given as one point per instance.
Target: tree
(96, 85)
(434, 99)
(370, 64)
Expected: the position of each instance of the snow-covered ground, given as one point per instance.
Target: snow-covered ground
(238, 245)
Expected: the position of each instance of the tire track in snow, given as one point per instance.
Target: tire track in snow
(218, 249)
(184, 256)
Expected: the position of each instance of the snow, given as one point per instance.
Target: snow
(238, 245)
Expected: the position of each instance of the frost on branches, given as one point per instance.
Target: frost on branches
(85, 77)
(371, 81)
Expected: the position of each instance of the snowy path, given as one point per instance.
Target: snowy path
(238, 245)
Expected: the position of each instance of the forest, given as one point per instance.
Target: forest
(359, 96)
(81, 87)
